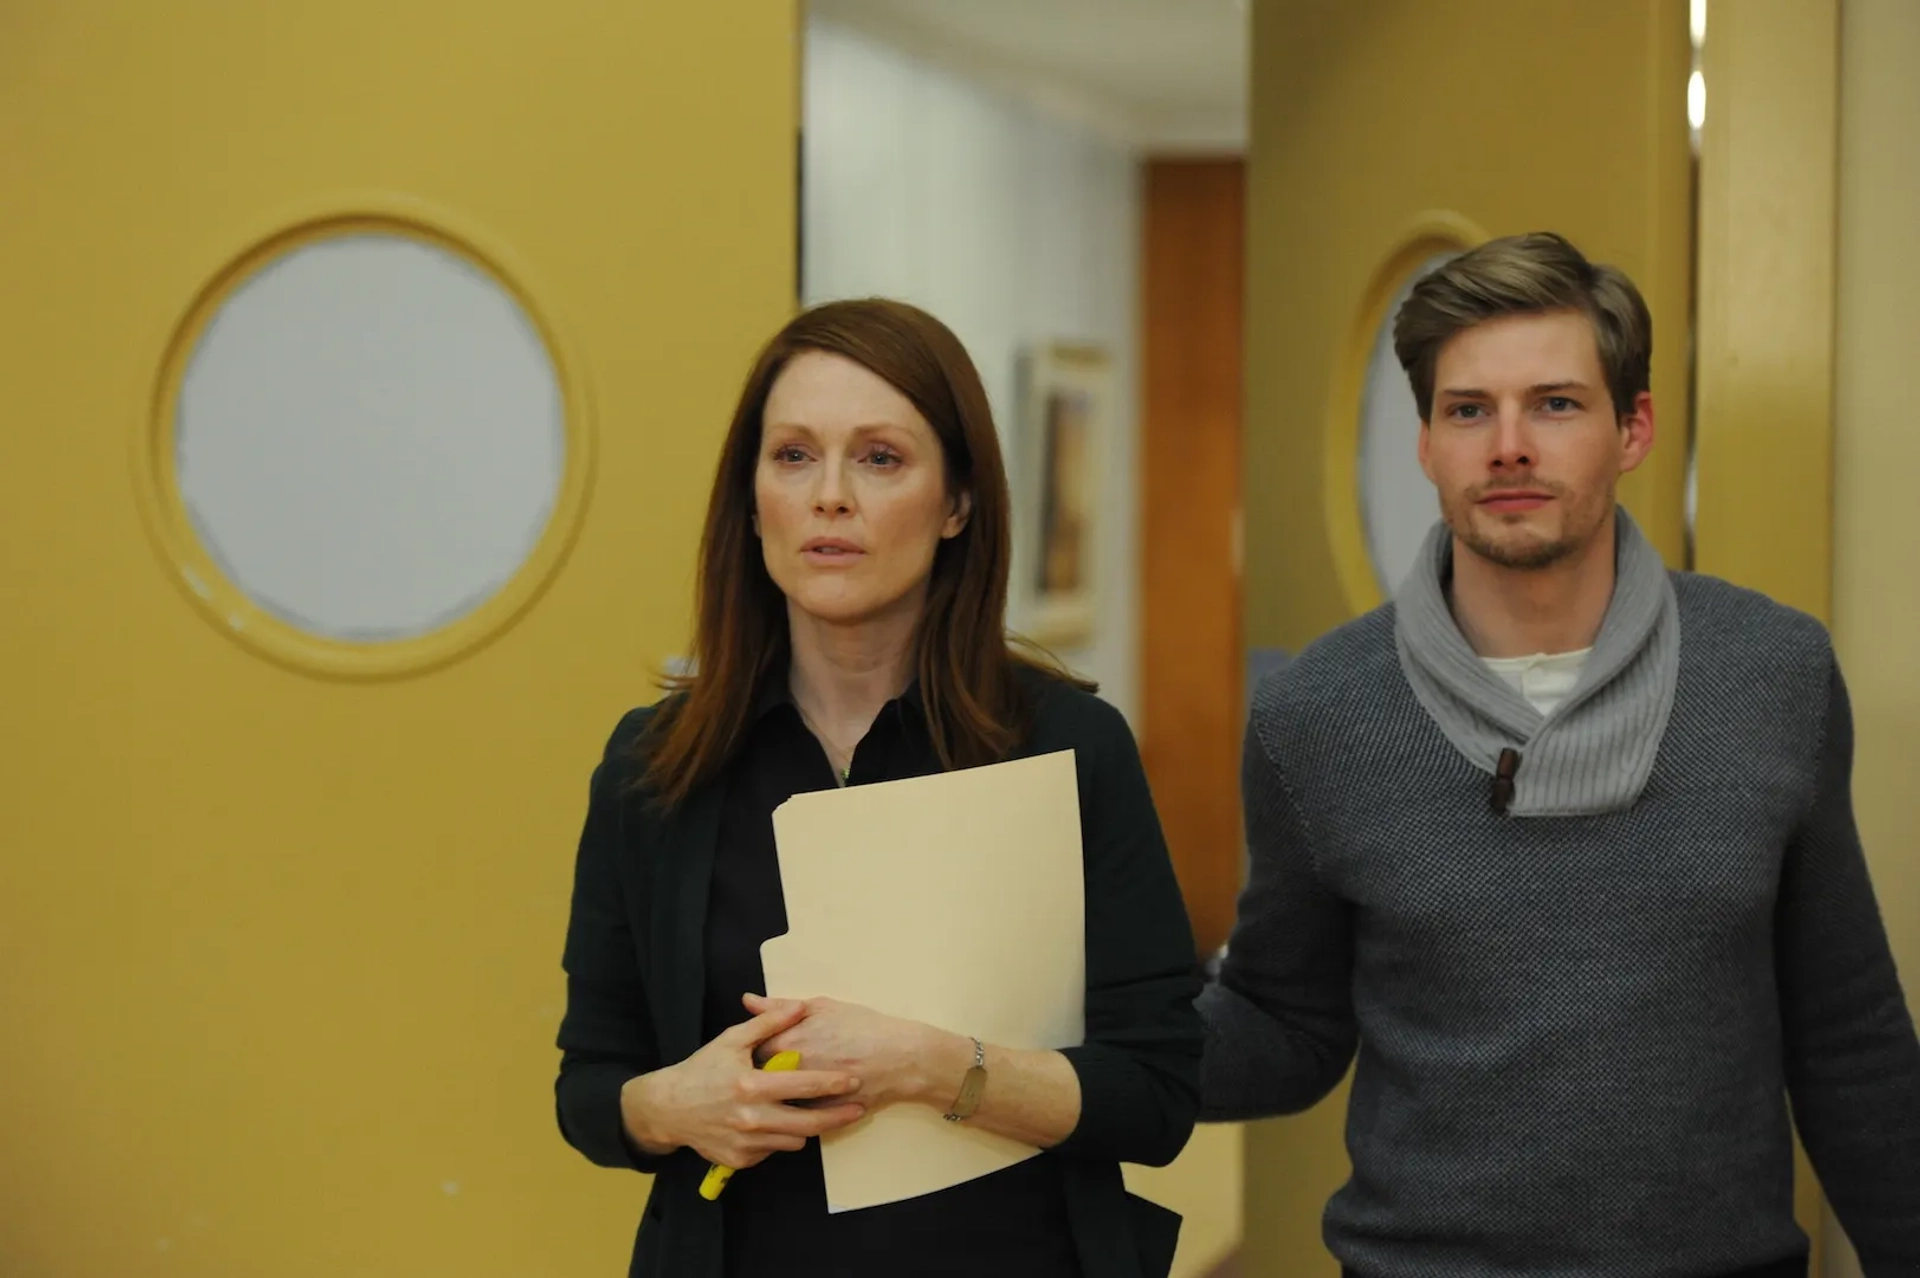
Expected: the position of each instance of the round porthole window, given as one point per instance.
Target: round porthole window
(368, 443)
(1397, 503)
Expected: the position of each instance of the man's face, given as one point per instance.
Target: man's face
(1524, 443)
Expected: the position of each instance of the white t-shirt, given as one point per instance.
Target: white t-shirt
(1545, 679)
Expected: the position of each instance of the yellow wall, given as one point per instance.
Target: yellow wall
(279, 952)
(1876, 528)
(1764, 381)
(1356, 145)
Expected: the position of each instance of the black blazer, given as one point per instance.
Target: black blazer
(634, 961)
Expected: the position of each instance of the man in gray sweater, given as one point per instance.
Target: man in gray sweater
(1563, 842)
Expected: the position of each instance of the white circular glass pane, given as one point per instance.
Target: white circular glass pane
(370, 437)
(1397, 504)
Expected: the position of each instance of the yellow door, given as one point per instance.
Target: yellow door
(281, 911)
(1384, 133)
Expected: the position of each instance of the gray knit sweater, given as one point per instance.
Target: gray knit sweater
(1577, 1036)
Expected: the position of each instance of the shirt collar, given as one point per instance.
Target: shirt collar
(770, 696)
(774, 692)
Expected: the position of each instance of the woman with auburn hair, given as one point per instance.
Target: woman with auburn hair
(851, 628)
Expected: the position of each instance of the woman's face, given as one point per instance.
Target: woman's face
(850, 493)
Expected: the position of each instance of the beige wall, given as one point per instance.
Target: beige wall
(1876, 524)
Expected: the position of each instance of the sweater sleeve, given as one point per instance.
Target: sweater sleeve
(1138, 1066)
(1279, 1019)
(1853, 1062)
(606, 1034)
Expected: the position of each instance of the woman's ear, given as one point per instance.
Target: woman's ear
(957, 519)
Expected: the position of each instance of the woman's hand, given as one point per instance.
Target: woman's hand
(730, 1112)
(895, 1060)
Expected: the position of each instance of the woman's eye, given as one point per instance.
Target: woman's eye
(789, 453)
(884, 457)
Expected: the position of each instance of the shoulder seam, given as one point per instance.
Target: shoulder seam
(1291, 799)
(1823, 740)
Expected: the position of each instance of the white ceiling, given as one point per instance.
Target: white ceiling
(1163, 75)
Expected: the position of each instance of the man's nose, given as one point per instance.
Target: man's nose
(1513, 440)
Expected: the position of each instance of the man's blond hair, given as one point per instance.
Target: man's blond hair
(1526, 275)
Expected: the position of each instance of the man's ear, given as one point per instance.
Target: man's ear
(1636, 432)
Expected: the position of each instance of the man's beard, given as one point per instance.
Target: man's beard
(1528, 556)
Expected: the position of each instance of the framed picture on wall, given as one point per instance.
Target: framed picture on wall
(1066, 404)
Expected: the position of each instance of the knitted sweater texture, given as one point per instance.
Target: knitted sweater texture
(1582, 1040)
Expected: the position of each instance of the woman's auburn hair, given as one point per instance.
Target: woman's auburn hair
(978, 703)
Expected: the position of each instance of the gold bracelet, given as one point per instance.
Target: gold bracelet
(971, 1086)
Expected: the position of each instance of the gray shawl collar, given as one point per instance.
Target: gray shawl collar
(1594, 753)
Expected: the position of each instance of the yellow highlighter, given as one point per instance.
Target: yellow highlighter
(718, 1176)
